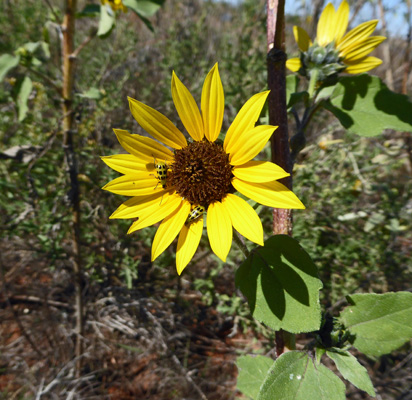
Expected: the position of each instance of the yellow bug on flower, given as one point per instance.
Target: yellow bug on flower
(161, 170)
(196, 213)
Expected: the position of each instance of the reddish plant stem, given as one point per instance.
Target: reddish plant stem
(276, 60)
(68, 30)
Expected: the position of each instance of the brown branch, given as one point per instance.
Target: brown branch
(47, 80)
(407, 61)
(52, 10)
(15, 314)
(84, 43)
(68, 30)
(34, 299)
(276, 61)
(386, 48)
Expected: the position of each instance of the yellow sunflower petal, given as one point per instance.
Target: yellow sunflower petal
(362, 49)
(143, 147)
(187, 109)
(271, 194)
(259, 171)
(248, 144)
(219, 229)
(136, 206)
(245, 119)
(128, 163)
(244, 218)
(326, 26)
(363, 65)
(302, 38)
(341, 20)
(293, 64)
(155, 123)
(356, 35)
(169, 229)
(153, 216)
(213, 104)
(188, 243)
(138, 184)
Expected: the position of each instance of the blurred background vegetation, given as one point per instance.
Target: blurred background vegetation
(150, 334)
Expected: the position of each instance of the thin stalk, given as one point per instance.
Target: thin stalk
(238, 240)
(276, 61)
(68, 30)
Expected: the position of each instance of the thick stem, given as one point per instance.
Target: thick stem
(68, 29)
(407, 61)
(276, 61)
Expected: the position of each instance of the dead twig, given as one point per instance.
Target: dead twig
(175, 360)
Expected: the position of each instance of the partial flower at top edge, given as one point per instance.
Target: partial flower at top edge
(333, 51)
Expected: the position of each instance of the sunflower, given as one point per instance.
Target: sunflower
(199, 176)
(115, 5)
(333, 51)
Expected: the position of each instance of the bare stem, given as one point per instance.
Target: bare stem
(68, 29)
(47, 80)
(276, 61)
(238, 240)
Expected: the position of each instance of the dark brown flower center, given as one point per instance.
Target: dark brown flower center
(201, 173)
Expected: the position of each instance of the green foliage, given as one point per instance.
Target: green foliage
(7, 63)
(294, 376)
(107, 21)
(281, 284)
(24, 89)
(252, 373)
(144, 8)
(379, 323)
(365, 106)
(351, 370)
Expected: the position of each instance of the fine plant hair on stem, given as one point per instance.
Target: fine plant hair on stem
(68, 29)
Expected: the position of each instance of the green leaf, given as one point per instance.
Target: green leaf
(292, 82)
(252, 373)
(351, 370)
(144, 8)
(90, 10)
(23, 96)
(282, 286)
(93, 93)
(365, 106)
(294, 376)
(380, 323)
(7, 63)
(107, 22)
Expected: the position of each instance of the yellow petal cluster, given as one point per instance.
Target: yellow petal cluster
(354, 47)
(151, 203)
